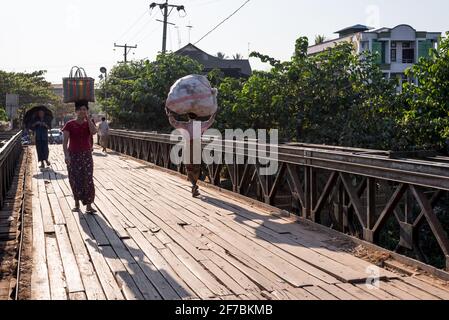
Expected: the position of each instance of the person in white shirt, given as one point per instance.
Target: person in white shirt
(103, 132)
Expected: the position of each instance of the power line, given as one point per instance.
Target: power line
(217, 26)
(132, 26)
(148, 34)
(204, 4)
(141, 30)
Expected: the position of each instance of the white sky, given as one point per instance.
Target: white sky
(55, 35)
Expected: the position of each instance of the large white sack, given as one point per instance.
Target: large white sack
(193, 94)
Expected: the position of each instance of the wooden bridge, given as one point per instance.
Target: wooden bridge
(151, 240)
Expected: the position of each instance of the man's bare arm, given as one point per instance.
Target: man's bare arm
(175, 123)
(206, 125)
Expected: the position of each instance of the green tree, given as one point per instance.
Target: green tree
(342, 98)
(221, 55)
(425, 120)
(319, 39)
(216, 77)
(3, 116)
(334, 97)
(237, 56)
(31, 87)
(137, 91)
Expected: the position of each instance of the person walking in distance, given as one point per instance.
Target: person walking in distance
(78, 156)
(103, 132)
(40, 129)
(192, 138)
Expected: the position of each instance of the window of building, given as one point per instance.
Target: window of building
(394, 52)
(365, 45)
(393, 55)
(408, 52)
(379, 48)
(424, 48)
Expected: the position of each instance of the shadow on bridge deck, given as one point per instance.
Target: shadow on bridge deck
(151, 240)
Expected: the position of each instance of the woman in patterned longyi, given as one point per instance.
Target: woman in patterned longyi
(78, 156)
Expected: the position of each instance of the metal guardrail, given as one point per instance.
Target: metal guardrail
(9, 154)
(355, 191)
(433, 172)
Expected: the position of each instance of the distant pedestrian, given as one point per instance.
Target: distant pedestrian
(103, 133)
(40, 129)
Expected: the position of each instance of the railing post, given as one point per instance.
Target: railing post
(310, 187)
(406, 228)
(368, 234)
(345, 209)
(235, 172)
(310, 191)
(338, 211)
(314, 195)
(307, 191)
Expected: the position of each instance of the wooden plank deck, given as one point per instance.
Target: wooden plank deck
(151, 240)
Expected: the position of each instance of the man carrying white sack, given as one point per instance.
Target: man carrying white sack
(191, 132)
(194, 96)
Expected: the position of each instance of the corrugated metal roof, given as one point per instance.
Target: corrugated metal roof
(211, 62)
(357, 27)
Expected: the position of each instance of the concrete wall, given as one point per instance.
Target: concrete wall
(403, 33)
(329, 44)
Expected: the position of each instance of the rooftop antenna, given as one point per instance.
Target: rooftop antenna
(190, 30)
(179, 37)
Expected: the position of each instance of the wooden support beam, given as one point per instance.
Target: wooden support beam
(435, 225)
(355, 200)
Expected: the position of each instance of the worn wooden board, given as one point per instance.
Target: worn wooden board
(40, 286)
(151, 240)
(55, 270)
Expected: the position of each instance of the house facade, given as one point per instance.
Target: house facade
(397, 48)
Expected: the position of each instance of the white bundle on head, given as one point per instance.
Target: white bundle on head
(193, 94)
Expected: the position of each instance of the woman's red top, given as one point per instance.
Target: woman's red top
(80, 137)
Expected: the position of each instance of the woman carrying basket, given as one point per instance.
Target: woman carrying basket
(78, 156)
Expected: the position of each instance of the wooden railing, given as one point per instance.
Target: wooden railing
(376, 195)
(10, 150)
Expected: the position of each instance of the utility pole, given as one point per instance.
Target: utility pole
(164, 41)
(126, 47)
(164, 7)
(164, 34)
